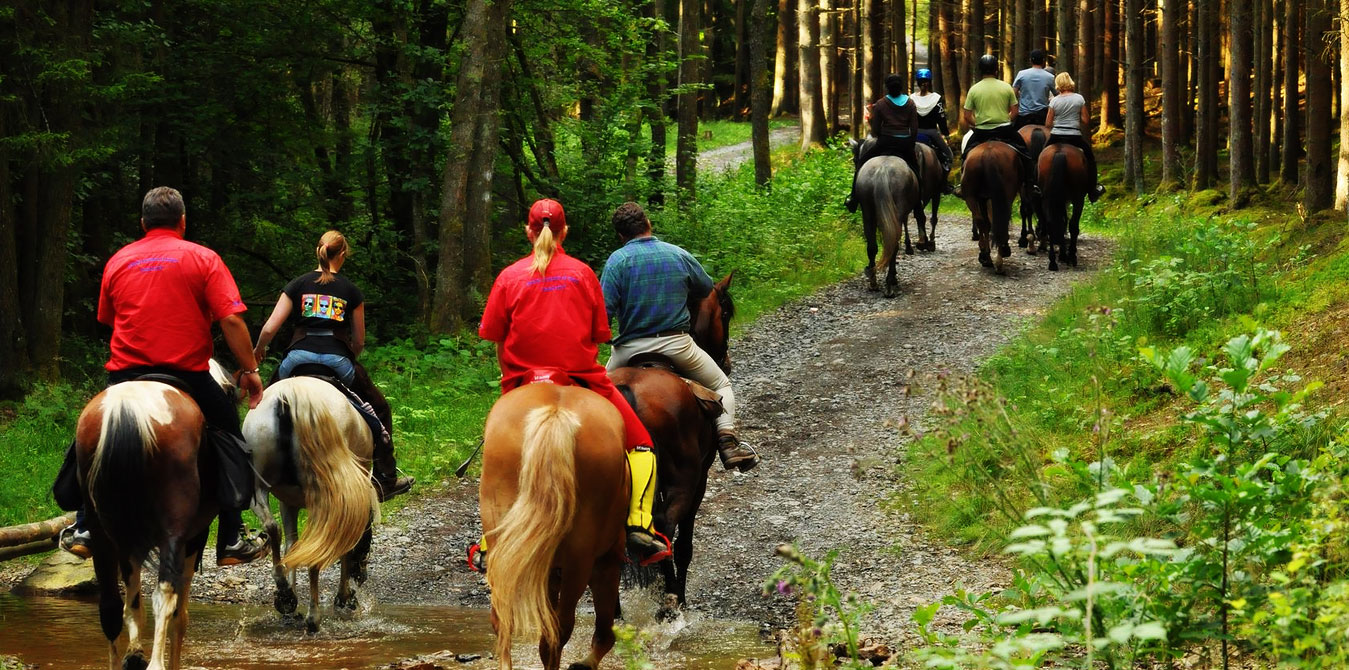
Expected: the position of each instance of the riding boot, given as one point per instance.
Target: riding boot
(233, 544)
(641, 538)
(736, 455)
(385, 470)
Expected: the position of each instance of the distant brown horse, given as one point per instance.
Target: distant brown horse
(1032, 211)
(138, 451)
(553, 498)
(1064, 180)
(681, 418)
(931, 179)
(989, 182)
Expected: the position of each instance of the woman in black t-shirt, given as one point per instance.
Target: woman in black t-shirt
(328, 312)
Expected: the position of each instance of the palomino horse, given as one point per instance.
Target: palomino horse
(888, 191)
(553, 497)
(149, 486)
(989, 182)
(311, 450)
(1032, 207)
(1064, 180)
(681, 418)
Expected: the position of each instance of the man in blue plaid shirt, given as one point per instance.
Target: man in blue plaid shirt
(647, 285)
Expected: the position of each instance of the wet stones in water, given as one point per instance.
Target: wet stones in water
(437, 661)
(467, 658)
(11, 663)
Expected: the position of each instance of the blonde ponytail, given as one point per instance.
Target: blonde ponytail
(331, 246)
(544, 247)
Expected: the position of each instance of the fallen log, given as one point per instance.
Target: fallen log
(18, 550)
(33, 532)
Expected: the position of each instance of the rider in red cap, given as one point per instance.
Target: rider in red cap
(546, 313)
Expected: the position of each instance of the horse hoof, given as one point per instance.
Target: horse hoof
(135, 661)
(908, 251)
(311, 626)
(285, 603)
(974, 237)
(1053, 267)
(985, 260)
(1022, 243)
(348, 604)
(579, 666)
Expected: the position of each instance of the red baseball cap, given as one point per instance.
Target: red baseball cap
(547, 212)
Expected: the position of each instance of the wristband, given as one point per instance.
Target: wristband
(248, 372)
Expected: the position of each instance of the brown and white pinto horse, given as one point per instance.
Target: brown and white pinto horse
(138, 453)
(989, 182)
(553, 497)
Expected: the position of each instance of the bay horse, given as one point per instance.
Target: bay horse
(681, 418)
(1036, 138)
(149, 486)
(553, 497)
(1064, 180)
(312, 449)
(989, 182)
(888, 190)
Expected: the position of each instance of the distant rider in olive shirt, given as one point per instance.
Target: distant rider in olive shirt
(990, 107)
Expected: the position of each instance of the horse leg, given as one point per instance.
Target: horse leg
(908, 244)
(981, 233)
(110, 612)
(284, 601)
(571, 587)
(604, 591)
(168, 593)
(932, 235)
(1025, 229)
(311, 622)
(683, 555)
(133, 615)
(346, 593)
(869, 232)
(1074, 229)
(290, 520)
(921, 218)
(180, 627)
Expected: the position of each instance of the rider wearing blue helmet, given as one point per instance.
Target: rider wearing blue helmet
(932, 128)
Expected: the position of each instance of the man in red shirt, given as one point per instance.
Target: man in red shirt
(546, 313)
(161, 294)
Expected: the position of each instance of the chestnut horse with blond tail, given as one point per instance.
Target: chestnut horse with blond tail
(311, 450)
(553, 497)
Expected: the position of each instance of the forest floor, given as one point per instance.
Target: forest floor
(823, 385)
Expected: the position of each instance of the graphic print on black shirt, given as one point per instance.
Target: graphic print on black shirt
(323, 307)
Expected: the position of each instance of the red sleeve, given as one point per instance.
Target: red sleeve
(222, 294)
(496, 319)
(105, 311)
(599, 330)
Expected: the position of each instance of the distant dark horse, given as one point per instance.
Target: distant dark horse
(931, 178)
(888, 191)
(1064, 180)
(1032, 210)
(681, 418)
(148, 487)
(989, 182)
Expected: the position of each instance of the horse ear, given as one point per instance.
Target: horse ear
(725, 283)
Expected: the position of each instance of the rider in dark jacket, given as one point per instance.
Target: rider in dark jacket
(894, 125)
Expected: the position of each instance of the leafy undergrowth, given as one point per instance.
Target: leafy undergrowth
(1159, 453)
(781, 244)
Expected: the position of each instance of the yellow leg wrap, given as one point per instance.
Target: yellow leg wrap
(482, 544)
(642, 463)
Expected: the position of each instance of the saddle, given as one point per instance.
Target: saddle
(555, 376)
(707, 398)
(378, 430)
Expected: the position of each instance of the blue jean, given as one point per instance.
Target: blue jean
(337, 362)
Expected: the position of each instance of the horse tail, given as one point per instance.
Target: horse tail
(120, 485)
(1056, 196)
(888, 189)
(337, 490)
(523, 545)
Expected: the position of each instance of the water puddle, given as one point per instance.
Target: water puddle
(64, 633)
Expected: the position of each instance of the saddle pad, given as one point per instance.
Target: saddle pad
(707, 398)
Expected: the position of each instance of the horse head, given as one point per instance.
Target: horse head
(711, 322)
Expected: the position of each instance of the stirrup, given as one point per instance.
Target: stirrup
(658, 556)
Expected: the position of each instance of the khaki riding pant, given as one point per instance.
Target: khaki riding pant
(690, 361)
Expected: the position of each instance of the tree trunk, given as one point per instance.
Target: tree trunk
(1065, 43)
(761, 90)
(812, 110)
(742, 60)
(1206, 142)
(1085, 75)
(1264, 89)
(1023, 34)
(857, 81)
(13, 343)
(657, 86)
(974, 41)
(1319, 192)
(686, 148)
(1133, 117)
(1110, 108)
(899, 53)
(466, 195)
(1292, 52)
(878, 50)
(1172, 171)
(829, 64)
(1342, 173)
(954, 79)
(1241, 168)
(785, 61)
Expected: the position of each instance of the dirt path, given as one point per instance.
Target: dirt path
(727, 157)
(820, 386)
